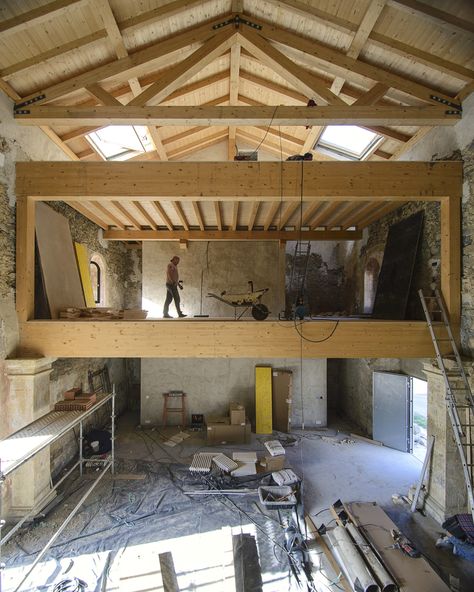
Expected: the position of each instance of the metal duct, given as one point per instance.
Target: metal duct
(351, 563)
(382, 575)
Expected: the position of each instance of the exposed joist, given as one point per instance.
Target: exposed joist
(246, 181)
(127, 215)
(383, 210)
(198, 214)
(286, 215)
(240, 115)
(59, 143)
(108, 214)
(310, 211)
(324, 214)
(217, 210)
(87, 213)
(253, 215)
(235, 215)
(145, 214)
(162, 214)
(246, 235)
(179, 211)
(274, 207)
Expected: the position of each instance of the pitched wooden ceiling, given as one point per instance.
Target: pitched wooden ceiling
(395, 67)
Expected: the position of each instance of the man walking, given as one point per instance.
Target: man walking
(172, 283)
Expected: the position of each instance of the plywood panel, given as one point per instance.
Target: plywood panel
(58, 261)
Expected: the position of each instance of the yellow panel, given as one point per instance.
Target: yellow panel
(84, 271)
(263, 400)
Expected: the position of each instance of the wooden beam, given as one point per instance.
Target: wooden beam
(183, 71)
(286, 215)
(231, 235)
(161, 49)
(369, 19)
(233, 94)
(145, 214)
(59, 143)
(310, 212)
(25, 257)
(87, 213)
(110, 25)
(198, 145)
(220, 338)
(378, 213)
(109, 215)
(235, 216)
(253, 215)
(451, 258)
(217, 210)
(274, 207)
(198, 214)
(127, 215)
(179, 210)
(157, 142)
(299, 77)
(104, 97)
(339, 59)
(324, 213)
(37, 15)
(163, 215)
(240, 115)
(246, 181)
(372, 96)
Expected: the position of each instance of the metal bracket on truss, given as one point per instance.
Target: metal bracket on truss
(18, 106)
(446, 102)
(237, 21)
(22, 111)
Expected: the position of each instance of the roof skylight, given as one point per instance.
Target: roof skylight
(349, 142)
(121, 142)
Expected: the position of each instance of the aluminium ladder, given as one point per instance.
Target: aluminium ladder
(459, 399)
(300, 268)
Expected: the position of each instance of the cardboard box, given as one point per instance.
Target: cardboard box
(237, 414)
(273, 463)
(224, 432)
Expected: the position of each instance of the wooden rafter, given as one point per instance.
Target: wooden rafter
(198, 214)
(162, 214)
(127, 215)
(324, 213)
(110, 215)
(179, 211)
(235, 215)
(253, 215)
(274, 207)
(286, 215)
(233, 93)
(217, 210)
(145, 214)
(37, 15)
(85, 211)
(209, 140)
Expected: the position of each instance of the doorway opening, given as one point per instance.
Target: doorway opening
(420, 417)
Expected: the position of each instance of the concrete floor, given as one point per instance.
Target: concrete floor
(134, 520)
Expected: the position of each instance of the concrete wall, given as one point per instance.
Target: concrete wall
(221, 266)
(211, 384)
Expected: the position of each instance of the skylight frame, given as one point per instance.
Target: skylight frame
(342, 153)
(99, 144)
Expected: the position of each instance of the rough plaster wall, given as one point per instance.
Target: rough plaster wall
(222, 265)
(355, 376)
(23, 144)
(210, 385)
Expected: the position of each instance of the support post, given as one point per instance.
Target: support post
(113, 430)
(451, 259)
(81, 437)
(25, 257)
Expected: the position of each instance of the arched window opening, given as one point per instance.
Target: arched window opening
(371, 275)
(97, 272)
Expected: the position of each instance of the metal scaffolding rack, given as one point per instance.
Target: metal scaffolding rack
(19, 448)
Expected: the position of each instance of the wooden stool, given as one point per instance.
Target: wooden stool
(178, 396)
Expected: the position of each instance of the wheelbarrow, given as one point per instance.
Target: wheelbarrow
(245, 300)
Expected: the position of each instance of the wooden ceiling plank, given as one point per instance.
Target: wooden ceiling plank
(161, 49)
(235, 215)
(274, 207)
(240, 115)
(186, 69)
(37, 15)
(163, 215)
(84, 210)
(217, 210)
(179, 211)
(439, 16)
(161, 12)
(246, 235)
(100, 206)
(253, 215)
(56, 139)
(394, 45)
(367, 23)
(198, 214)
(59, 50)
(286, 215)
(127, 215)
(332, 56)
(197, 145)
(145, 214)
(299, 77)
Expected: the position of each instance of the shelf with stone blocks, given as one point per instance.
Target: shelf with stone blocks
(25, 443)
